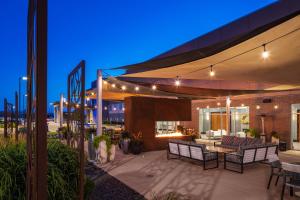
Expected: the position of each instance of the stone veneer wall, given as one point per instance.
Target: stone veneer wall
(278, 120)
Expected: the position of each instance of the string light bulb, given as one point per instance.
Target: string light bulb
(123, 87)
(211, 72)
(113, 85)
(218, 104)
(265, 54)
(177, 81)
(154, 87)
(136, 88)
(257, 107)
(276, 107)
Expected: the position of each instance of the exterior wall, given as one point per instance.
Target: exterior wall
(278, 120)
(142, 112)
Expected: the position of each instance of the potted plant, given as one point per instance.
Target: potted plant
(275, 137)
(136, 143)
(90, 134)
(102, 144)
(125, 141)
(253, 133)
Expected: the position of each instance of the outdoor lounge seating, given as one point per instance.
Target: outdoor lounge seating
(291, 177)
(249, 155)
(191, 150)
(233, 142)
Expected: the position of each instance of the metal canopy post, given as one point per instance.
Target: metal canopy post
(99, 102)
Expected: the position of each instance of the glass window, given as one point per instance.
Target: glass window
(214, 120)
(166, 127)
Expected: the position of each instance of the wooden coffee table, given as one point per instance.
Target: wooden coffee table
(220, 150)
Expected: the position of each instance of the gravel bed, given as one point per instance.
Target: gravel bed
(109, 188)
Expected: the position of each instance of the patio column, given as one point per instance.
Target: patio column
(61, 108)
(228, 101)
(99, 102)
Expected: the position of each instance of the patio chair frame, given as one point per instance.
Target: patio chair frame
(241, 158)
(204, 161)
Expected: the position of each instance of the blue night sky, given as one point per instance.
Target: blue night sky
(106, 33)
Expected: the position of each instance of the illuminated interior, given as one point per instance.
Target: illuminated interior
(167, 129)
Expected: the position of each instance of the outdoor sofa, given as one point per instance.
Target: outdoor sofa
(193, 151)
(249, 155)
(233, 142)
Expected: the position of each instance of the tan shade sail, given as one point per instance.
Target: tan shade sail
(243, 62)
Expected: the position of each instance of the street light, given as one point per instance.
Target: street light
(24, 78)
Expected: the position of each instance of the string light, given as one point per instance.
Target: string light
(207, 107)
(257, 107)
(92, 93)
(88, 98)
(211, 73)
(243, 105)
(123, 87)
(154, 87)
(105, 108)
(265, 54)
(136, 88)
(218, 104)
(113, 85)
(276, 107)
(197, 108)
(177, 81)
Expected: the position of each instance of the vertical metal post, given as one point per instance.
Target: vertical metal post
(99, 102)
(228, 101)
(41, 101)
(61, 110)
(69, 114)
(5, 118)
(17, 116)
(81, 149)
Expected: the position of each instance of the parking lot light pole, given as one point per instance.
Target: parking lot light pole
(22, 78)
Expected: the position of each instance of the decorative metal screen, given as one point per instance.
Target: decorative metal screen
(75, 120)
(8, 119)
(36, 117)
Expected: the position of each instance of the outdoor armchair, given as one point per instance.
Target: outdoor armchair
(291, 177)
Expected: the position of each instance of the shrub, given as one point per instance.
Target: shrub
(63, 167)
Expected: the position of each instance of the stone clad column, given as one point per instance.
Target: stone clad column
(99, 102)
(228, 102)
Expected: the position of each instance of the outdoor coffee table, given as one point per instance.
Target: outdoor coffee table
(220, 150)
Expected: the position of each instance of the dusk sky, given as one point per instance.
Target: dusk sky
(106, 33)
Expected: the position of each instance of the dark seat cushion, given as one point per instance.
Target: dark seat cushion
(227, 140)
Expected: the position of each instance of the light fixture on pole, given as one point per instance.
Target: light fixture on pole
(211, 72)
(24, 78)
(265, 54)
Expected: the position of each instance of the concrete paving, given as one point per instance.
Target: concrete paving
(152, 174)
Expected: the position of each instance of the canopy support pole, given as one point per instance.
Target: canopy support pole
(99, 102)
